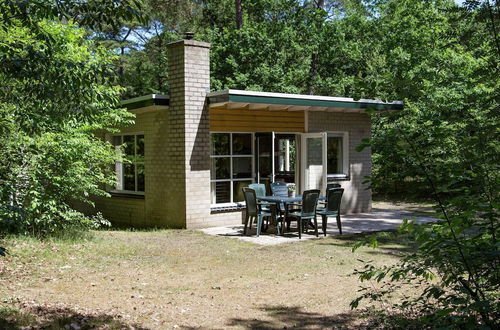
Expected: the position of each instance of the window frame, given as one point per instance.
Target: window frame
(135, 163)
(231, 179)
(344, 175)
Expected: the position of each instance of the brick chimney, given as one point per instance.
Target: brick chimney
(189, 132)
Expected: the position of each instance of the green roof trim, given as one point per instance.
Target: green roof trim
(314, 103)
(239, 96)
(146, 101)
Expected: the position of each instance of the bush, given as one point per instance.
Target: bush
(57, 90)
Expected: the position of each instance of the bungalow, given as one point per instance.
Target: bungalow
(193, 151)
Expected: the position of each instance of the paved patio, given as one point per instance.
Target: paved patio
(378, 220)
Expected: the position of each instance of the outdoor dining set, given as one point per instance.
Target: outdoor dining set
(279, 208)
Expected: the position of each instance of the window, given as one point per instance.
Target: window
(336, 155)
(130, 172)
(231, 166)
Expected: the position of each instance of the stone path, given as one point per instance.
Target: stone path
(378, 220)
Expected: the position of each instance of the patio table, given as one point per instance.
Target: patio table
(284, 200)
(280, 199)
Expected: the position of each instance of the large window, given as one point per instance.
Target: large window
(231, 166)
(130, 172)
(336, 155)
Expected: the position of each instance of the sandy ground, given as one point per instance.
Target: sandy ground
(181, 279)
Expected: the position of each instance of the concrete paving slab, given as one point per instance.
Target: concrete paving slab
(378, 220)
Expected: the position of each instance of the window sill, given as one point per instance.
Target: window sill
(337, 177)
(227, 208)
(125, 194)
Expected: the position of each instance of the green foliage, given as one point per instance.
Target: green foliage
(249, 59)
(441, 59)
(271, 51)
(57, 89)
(454, 268)
(89, 13)
(444, 145)
(448, 82)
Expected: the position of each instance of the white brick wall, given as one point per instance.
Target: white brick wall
(177, 155)
(189, 80)
(152, 210)
(356, 196)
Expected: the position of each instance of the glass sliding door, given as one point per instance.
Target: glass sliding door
(275, 158)
(263, 158)
(314, 162)
(285, 153)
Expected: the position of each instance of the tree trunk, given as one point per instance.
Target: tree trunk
(239, 14)
(159, 78)
(313, 70)
(122, 52)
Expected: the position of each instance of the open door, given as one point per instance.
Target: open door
(263, 158)
(285, 152)
(313, 159)
(275, 158)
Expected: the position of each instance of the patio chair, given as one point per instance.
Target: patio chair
(332, 209)
(255, 212)
(328, 187)
(308, 212)
(279, 189)
(332, 185)
(260, 191)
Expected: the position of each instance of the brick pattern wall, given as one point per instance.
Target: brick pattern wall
(150, 211)
(356, 196)
(123, 211)
(189, 135)
(226, 219)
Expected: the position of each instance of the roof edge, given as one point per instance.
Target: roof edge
(145, 101)
(145, 97)
(299, 96)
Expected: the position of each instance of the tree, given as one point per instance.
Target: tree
(270, 51)
(92, 14)
(442, 61)
(57, 89)
(239, 14)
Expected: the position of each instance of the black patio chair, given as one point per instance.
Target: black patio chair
(308, 212)
(279, 189)
(332, 185)
(255, 212)
(328, 187)
(260, 191)
(332, 208)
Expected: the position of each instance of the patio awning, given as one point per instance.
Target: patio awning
(251, 100)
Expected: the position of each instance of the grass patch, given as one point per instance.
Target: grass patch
(13, 318)
(184, 278)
